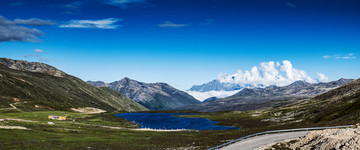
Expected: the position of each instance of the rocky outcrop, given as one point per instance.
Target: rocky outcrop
(334, 139)
(31, 66)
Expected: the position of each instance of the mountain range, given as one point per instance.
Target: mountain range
(216, 85)
(255, 98)
(38, 86)
(154, 96)
(217, 89)
(34, 85)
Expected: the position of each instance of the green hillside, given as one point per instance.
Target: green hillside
(40, 91)
(339, 106)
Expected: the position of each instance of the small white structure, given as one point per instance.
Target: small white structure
(57, 117)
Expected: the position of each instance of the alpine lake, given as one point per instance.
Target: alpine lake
(172, 121)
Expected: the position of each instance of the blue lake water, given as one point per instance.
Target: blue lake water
(168, 121)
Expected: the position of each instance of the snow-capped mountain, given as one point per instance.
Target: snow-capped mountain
(267, 74)
(255, 98)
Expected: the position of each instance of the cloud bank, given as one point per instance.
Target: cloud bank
(201, 96)
(109, 23)
(12, 31)
(270, 73)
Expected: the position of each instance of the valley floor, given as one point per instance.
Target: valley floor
(33, 130)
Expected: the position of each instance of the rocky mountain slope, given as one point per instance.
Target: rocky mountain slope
(337, 105)
(154, 96)
(38, 86)
(31, 66)
(251, 99)
(340, 106)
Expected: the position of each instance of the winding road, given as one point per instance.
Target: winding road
(262, 140)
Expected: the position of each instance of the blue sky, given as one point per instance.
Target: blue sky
(184, 42)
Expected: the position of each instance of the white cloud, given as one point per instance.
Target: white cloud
(124, 3)
(204, 95)
(340, 56)
(109, 23)
(322, 77)
(39, 51)
(11, 31)
(326, 56)
(34, 22)
(268, 73)
(73, 7)
(170, 24)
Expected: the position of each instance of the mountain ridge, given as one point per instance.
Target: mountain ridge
(32, 67)
(37, 87)
(250, 99)
(155, 96)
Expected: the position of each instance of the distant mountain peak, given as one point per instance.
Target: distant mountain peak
(154, 96)
(343, 80)
(127, 79)
(31, 66)
(300, 83)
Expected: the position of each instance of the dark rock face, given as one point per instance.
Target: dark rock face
(250, 99)
(154, 96)
(31, 66)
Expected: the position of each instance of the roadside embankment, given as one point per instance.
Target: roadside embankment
(345, 139)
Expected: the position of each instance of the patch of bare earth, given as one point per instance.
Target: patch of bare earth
(13, 127)
(88, 110)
